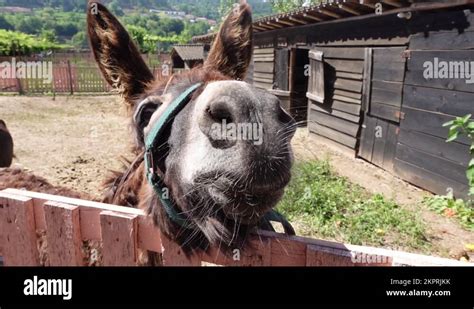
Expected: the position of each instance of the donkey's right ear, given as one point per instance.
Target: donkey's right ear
(116, 54)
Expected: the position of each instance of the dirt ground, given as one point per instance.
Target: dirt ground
(71, 141)
(74, 141)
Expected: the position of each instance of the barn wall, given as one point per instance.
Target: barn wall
(423, 157)
(408, 108)
(263, 67)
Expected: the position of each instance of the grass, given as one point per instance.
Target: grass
(329, 206)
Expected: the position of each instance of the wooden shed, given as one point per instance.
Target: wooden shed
(356, 71)
(187, 56)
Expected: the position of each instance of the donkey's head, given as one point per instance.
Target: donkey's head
(226, 156)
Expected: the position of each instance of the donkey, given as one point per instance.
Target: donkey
(6, 145)
(200, 187)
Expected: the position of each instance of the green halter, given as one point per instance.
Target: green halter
(155, 177)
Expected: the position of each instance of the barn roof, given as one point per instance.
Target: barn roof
(189, 51)
(330, 10)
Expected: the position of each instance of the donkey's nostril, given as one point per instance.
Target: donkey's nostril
(215, 121)
(220, 112)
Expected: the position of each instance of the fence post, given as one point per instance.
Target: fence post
(18, 86)
(69, 73)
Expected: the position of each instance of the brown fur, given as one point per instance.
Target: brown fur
(235, 42)
(6, 145)
(113, 51)
(21, 179)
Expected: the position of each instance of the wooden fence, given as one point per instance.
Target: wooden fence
(79, 74)
(64, 225)
(67, 79)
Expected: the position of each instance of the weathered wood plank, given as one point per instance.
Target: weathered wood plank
(416, 69)
(336, 123)
(149, 235)
(328, 110)
(347, 99)
(348, 94)
(442, 40)
(63, 234)
(286, 252)
(327, 256)
(453, 151)
(119, 238)
(388, 64)
(281, 68)
(173, 255)
(258, 254)
(444, 101)
(263, 67)
(353, 109)
(263, 75)
(367, 81)
(367, 138)
(432, 163)
(354, 76)
(389, 93)
(351, 66)
(428, 122)
(343, 52)
(333, 135)
(383, 111)
(381, 131)
(19, 230)
(258, 51)
(428, 180)
(390, 146)
(262, 85)
(348, 84)
(317, 79)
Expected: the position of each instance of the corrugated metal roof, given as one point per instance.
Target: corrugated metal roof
(329, 10)
(189, 51)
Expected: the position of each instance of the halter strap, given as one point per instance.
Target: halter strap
(154, 175)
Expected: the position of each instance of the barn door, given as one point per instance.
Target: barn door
(281, 69)
(383, 92)
(335, 94)
(281, 78)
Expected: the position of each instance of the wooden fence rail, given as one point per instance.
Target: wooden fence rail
(41, 229)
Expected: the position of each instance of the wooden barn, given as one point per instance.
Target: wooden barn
(357, 72)
(187, 56)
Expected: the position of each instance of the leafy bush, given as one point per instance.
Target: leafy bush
(459, 127)
(17, 43)
(450, 207)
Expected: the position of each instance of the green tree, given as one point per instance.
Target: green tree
(79, 40)
(224, 7)
(30, 25)
(115, 8)
(4, 24)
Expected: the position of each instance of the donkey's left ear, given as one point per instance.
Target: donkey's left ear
(116, 54)
(232, 48)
